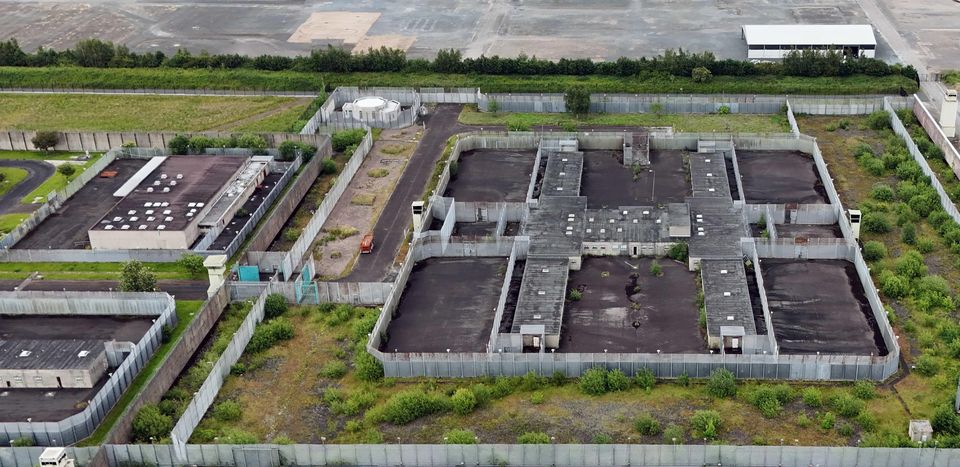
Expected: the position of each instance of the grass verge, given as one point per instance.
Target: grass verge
(186, 311)
(85, 271)
(12, 176)
(741, 123)
(284, 121)
(61, 112)
(9, 222)
(56, 182)
(169, 78)
(38, 155)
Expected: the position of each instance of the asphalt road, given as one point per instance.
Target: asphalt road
(391, 228)
(37, 173)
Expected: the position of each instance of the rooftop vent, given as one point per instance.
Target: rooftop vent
(149, 211)
(117, 219)
(163, 176)
(125, 227)
(199, 205)
(589, 230)
(142, 227)
(166, 189)
(24, 353)
(83, 353)
(624, 213)
(167, 211)
(109, 227)
(723, 271)
(163, 204)
(190, 214)
(151, 219)
(730, 318)
(541, 292)
(706, 160)
(537, 316)
(179, 176)
(173, 183)
(149, 189)
(131, 212)
(190, 205)
(134, 218)
(545, 270)
(635, 221)
(161, 227)
(168, 218)
(146, 205)
(726, 294)
(156, 183)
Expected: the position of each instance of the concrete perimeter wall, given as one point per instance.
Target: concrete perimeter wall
(19, 140)
(354, 293)
(82, 424)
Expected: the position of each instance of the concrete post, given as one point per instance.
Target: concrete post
(216, 268)
(948, 113)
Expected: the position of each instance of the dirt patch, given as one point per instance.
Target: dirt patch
(376, 178)
(625, 308)
(347, 26)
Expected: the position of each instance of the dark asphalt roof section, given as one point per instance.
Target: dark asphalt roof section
(49, 354)
(726, 296)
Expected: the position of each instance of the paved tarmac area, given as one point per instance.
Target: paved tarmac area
(37, 173)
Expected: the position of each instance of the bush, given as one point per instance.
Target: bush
(926, 365)
(845, 429)
(45, 140)
(594, 381)
(21, 442)
(463, 401)
(924, 204)
(925, 245)
(655, 269)
(342, 140)
(135, 277)
(228, 411)
(67, 169)
(179, 145)
(558, 378)
(812, 397)
(945, 421)
(765, 400)
(879, 120)
(882, 192)
(150, 422)
(864, 390)
(911, 265)
(577, 100)
(334, 369)
(537, 398)
(645, 379)
(328, 167)
(679, 252)
(270, 333)
(706, 424)
(866, 421)
(894, 286)
(722, 383)
(274, 306)
(702, 74)
(193, 264)
(673, 434)
(683, 380)
(288, 150)
(574, 295)
(617, 381)
(875, 223)
(533, 437)
(646, 425)
(874, 250)
(407, 406)
(827, 420)
(459, 437)
(846, 405)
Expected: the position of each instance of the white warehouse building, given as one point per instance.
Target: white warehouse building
(775, 41)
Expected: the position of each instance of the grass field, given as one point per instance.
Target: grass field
(335, 403)
(922, 328)
(85, 271)
(169, 78)
(61, 112)
(38, 155)
(11, 177)
(283, 121)
(186, 311)
(57, 181)
(9, 222)
(742, 123)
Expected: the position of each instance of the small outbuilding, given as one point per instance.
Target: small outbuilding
(51, 363)
(920, 431)
(775, 41)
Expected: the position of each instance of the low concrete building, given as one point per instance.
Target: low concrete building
(163, 204)
(51, 363)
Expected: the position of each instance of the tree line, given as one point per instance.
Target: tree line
(95, 53)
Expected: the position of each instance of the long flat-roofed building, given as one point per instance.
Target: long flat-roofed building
(51, 363)
(167, 203)
(775, 41)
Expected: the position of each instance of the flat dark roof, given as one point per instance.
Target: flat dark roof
(193, 183)
(49, 354)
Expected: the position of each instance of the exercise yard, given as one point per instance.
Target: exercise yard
(608, 184)
(449, 303)
(492, 175)
(780, 177)
(819, 306)
(809, 231)
(625, 308)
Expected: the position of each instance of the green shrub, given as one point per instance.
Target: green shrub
(827, 420)
(812, 397)
(617, 381)
(874, 250)
(683, 380)
(179, 145)
(407, 406)
(866, 421)
(845, 429)
(911, 265)
(879, 120)
(673, 434)
(270, 333)
(558, 378)
(864, 389)
(334, 369)
(532, 381)
(679, 252)
(882, 192)
(537, 398)
(288, 150)
(275, 305)
(463, 401)
(803, 420)
(702, 74)
(594, 381)
(328, 167)
(846, 405)
(367, 366)
(945, 421)
(341, 140)
(645, 379)
(722, 383)
(602, 438)
(169, 407)
(925, 245)
(228, 411)
(458, 436)
(533, 437)
(150, 424)
(765, 400)
(22, 442)
(655, 269)
(706, 424)
(873, 165)
(894, 286)
(235, 436)
(926, 365)
(908, 233)
(574, 295)
(874, 222)
(646, 425)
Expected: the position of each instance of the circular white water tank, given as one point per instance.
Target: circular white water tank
(369, 104)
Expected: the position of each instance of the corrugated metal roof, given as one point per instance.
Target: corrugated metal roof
(809, 34)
